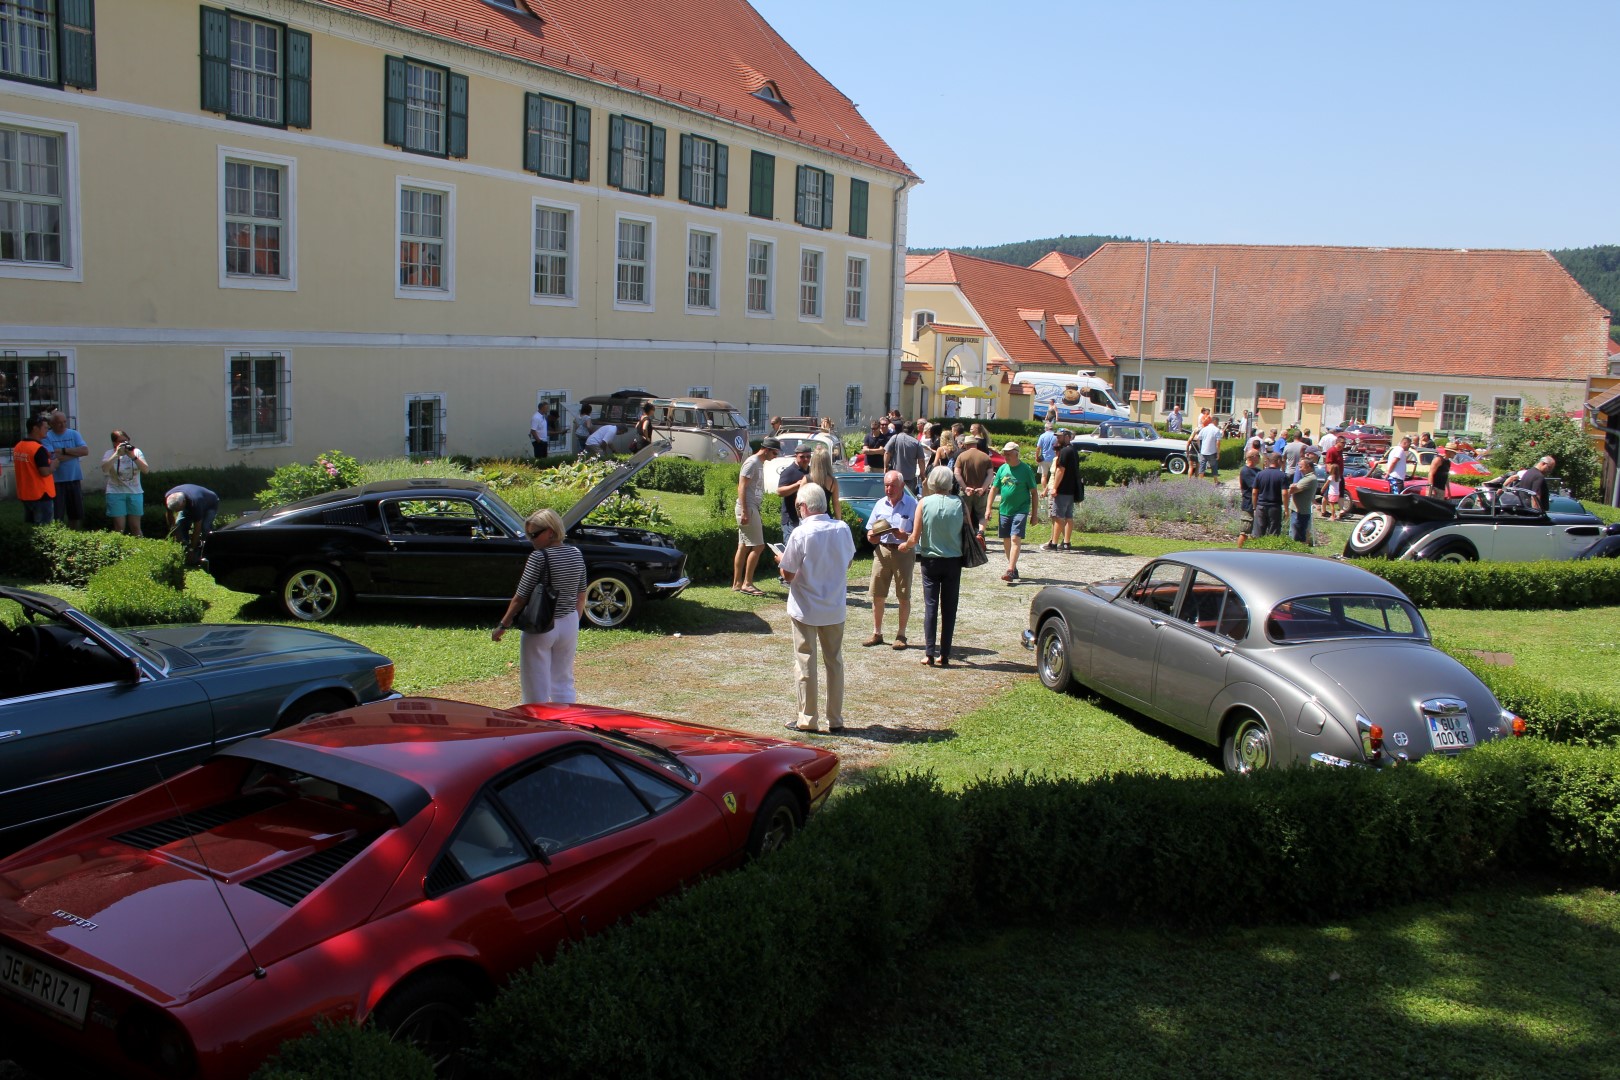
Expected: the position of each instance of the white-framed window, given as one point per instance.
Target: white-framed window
(1225, 392)
(852, 405)
(633, 264)
(427, 104)
(855, 289)
(256, 69)
(1454, 412)
(809, 400)
(1175, 393)
(426, 214)
(813, 205)
(1506, 409)
(28, 40)
(1406, 399)
(700, 391)
(424, 425)
(258, 223)
(704, 166)
(556, 238)
(31, 383)
(258, 399)
(812, 264)
(1267, 390)
(759, 399)
(1357, 405)
(702, 271)
(920, 319)
(761, 276)
(637, 155)
(39, 199)
(555, 135)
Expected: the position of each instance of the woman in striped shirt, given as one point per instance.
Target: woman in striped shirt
(546, 661)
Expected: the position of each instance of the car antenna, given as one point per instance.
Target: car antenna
(258, 972)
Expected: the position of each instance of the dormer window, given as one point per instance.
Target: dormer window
(516, 7)
(1071, 326)
(1035, 318)
(769, 92)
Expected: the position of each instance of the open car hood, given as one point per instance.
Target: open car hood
(612, 482)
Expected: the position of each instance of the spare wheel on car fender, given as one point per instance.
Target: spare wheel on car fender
(1371, 532)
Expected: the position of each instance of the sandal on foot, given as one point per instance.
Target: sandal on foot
(749, 590)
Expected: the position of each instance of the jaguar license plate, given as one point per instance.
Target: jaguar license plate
(1451, 732)
(43, 985)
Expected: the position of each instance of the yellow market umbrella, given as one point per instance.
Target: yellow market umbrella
(958, 390)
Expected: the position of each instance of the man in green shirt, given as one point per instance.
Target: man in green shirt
(1011, 492)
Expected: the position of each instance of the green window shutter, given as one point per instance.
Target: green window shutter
(655, 163)
(615, 177)
(76, 42)
(296, 108)
(858, 194)
(582, 142)
(686, 168)
(798, 197)
(216, 61)
(394, 101)
(457, 143)
(720, 157)
(762, 185)
(826, 200)
(531, 133)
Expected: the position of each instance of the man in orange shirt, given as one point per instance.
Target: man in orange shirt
(36, 488)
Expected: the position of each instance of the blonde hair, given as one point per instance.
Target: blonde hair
(545, 519)
(821, 475)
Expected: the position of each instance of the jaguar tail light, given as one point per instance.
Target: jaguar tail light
(385, 677)
(1372, 738)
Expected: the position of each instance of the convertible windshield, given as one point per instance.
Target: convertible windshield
(1320, 618)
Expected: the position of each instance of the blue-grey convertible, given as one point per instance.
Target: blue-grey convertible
(1277, 658)
(89, 715)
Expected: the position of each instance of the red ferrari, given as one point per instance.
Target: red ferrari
(1355, 485)
(394, 861)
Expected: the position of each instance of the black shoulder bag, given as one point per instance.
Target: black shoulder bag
(540, 613)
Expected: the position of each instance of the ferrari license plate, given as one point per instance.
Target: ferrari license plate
(1451, 732)
(44, 986)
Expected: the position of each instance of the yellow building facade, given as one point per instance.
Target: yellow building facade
(323, 229)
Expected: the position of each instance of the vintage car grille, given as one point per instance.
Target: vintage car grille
(291, 883)
(159, 833)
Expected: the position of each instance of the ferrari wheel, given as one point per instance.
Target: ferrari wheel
(1052, 655)
(1370, 533)
(779, 819)
(1247, 747)
(610, 601)
(313, 593)
(430, 1013)
(1177, 465)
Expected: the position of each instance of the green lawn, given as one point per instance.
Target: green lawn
(1515, 981)
(1571, 648)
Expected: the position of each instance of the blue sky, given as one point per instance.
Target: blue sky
(1416, 124)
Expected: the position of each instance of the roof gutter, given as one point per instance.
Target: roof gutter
(898, 276)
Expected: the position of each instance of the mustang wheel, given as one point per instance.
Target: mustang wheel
(313, 593)
(780, 817)
(1052, 649)
(1247, 747)
(430, 1013)
(1177, 465)
(1453, 551)
(610, 600)
(1370, 533)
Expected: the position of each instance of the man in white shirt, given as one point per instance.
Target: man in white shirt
(1330, 439)
(539, 430)
(1395, 465)
(1209, 449)
(887, 527)
(600, 442)
(815, 564)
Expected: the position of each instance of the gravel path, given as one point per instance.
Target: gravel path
(739, 674)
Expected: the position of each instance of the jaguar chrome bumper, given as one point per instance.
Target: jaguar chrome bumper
(1027, 639)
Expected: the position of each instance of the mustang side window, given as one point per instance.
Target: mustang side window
(572, 799)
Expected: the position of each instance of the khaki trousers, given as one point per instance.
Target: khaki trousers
(831, 641)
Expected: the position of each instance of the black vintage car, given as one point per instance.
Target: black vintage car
(1134, 439)
(433, 540)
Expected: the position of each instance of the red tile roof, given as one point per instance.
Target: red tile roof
(1614, 347)
(1001, 292)
(706, 55)
(1498, 314)
(914, 261)
(955, 328)
(1056, 262)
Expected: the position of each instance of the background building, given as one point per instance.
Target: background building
(254, 231)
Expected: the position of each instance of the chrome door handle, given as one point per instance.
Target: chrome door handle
(1156, 623)
(1224, 650)
(9, 734)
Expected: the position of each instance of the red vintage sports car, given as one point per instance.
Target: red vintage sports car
(395, 861)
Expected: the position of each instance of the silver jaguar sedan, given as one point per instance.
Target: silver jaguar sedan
(1277, 658)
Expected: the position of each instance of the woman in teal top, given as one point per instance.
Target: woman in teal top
(936, 536)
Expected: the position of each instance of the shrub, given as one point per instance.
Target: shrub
(20, 555)
(1183, 499)
(630, 512)
(228, 482)
(675, 475)
(1519, 443)
(1101, 470)
(1555, 713)
(330, 471)
(131, 594)
(1102, 511)
(68, 557)
(1277, 543)
(720, 489)
(1507, 585)
(344, 1051)
(407, 469)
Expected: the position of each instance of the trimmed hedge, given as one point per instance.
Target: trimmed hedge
(1554, 713)
(344, 1051)
(888, 870)
(1490, 586)
(127, 581)
(1103, 470)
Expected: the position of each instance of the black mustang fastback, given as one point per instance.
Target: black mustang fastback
(433, 540)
